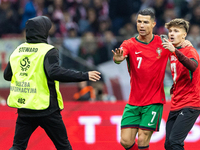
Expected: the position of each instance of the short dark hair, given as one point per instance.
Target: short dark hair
(181, 23)
(147, 12)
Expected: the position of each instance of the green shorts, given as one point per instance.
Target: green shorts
(143, 117)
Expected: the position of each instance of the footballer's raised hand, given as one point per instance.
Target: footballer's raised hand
(94, 75)
(168, 45)
(118, 55)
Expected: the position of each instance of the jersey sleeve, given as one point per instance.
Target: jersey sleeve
(192, 53)
(124, 46)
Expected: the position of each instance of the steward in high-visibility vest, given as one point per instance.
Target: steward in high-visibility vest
(34, 72)
(29, 87)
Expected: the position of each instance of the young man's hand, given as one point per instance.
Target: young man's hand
(118, 55)
(168, 45)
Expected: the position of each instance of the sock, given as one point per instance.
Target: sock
(133, 147)
(143, 147)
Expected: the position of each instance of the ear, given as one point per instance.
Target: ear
(154, 24)
(184, 35)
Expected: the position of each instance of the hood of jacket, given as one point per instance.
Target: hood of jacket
(37, 29)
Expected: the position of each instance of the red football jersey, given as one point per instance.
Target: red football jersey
(186, 84)
(146, 65)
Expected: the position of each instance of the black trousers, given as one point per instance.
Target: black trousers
(179, 123)
(52, 124)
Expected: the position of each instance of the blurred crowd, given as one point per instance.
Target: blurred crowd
(90, 29)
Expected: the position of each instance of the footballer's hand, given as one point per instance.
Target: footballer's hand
(168, 45)
(94, 75)
(186, 43)
(118, 55)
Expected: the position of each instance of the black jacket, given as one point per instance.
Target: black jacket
(37, 32)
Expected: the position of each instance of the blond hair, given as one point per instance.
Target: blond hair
(180, 23)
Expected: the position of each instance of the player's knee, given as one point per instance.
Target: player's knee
(171, 141)
(126, 142)
(174, 143)
(143, 139)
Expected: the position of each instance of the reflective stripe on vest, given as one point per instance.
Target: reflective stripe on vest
(29, 88)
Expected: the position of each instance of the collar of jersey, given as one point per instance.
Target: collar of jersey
(178, 47)
(144, 42)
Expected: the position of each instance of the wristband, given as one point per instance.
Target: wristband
(117, 62)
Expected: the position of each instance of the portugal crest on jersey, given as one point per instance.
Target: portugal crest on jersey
(159, 51)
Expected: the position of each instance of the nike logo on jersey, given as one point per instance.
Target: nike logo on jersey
(138, 52)
(150, 124)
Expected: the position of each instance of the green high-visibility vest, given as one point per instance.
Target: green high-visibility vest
(29, 88)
